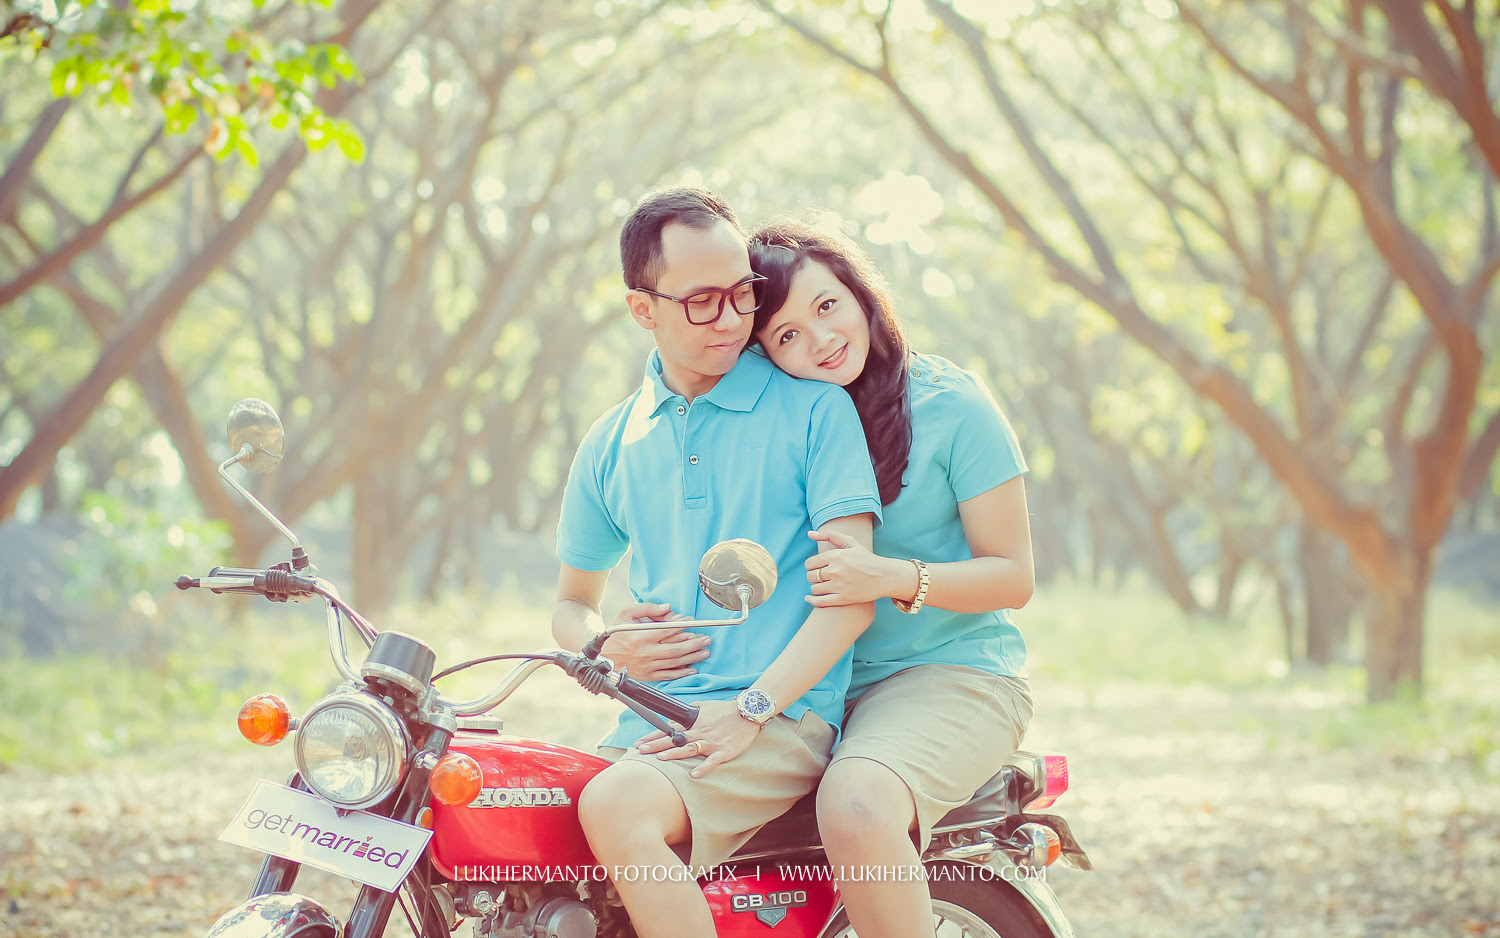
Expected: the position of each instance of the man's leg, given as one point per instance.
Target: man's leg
(865, 813)
(631, 815)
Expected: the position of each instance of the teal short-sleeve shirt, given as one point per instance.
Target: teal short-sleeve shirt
(760, 456)
(962, 446)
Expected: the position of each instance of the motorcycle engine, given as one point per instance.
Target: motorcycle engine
(544, 917)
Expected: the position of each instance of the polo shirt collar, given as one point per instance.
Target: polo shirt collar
(737, 390)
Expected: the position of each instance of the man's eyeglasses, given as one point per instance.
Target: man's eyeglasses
(707, 306)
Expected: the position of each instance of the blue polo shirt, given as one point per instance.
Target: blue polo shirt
(961, 446)
(760, 456)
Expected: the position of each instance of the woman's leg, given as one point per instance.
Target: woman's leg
(915, 746)
(865, 815)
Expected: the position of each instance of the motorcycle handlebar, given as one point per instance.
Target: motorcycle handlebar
(279, 584)
(665, 704)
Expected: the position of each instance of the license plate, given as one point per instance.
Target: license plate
(301, 827)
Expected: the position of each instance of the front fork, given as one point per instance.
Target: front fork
(372, 909)
(277, 874)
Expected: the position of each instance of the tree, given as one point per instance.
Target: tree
(1248, 230)
(125, 347)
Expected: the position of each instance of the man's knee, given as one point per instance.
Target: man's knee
(629, 802)
(860, 801)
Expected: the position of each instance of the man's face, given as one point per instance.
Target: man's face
(696, 260)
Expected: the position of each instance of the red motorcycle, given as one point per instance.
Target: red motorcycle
(424, 802)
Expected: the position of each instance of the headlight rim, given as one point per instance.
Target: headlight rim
(384, 718)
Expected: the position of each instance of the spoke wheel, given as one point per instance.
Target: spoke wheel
(969, 910)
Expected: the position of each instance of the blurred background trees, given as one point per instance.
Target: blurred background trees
(1228, 265)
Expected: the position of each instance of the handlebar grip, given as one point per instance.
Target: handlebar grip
(272, 583)
(236, 571)
(668, 706)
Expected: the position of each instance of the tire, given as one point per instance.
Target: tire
(970, 909)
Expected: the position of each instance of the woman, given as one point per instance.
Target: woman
(937, 702)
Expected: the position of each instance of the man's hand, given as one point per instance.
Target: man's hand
(719, 734)
(655, 654)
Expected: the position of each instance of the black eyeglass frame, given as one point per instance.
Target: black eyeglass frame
(723, 298)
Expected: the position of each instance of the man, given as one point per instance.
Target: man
(714, 445)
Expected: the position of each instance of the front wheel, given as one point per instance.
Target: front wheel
(969, 909)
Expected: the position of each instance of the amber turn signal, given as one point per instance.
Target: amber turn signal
(264, 719)
(456, 779)
(1054, 846)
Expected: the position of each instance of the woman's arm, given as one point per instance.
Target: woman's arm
(1000, 575)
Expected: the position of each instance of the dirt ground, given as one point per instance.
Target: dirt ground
(1200, 818)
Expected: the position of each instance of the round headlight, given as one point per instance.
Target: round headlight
(351, 750)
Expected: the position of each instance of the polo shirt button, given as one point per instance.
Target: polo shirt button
(916, 374)
(681, 409)
(693, 460)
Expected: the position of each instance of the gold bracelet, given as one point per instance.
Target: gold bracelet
(924, 580)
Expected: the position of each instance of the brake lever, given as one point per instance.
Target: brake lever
(593, 676)
(654, 718)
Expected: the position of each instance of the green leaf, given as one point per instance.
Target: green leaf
(246, 150)
(343, 63)
(353, 146)
(64, 78)
(323, 68)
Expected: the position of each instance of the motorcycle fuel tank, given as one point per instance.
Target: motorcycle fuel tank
(524, 824)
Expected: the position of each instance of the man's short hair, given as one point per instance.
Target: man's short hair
(640, 239)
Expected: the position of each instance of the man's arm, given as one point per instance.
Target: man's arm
(720, 733)
(576, 617)
(650, 655)
(823, 639)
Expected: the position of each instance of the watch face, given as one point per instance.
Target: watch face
(755, 703)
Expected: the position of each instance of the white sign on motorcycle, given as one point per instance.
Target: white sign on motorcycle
(298, 826)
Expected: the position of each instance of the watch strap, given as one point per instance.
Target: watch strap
(924, 580)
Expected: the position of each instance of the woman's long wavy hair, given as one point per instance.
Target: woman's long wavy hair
(777, 252)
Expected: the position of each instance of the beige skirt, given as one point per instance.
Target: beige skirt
(943, 729)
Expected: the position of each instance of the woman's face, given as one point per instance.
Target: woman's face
(820, 332)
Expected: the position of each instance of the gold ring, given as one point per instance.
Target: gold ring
(821, 577)
(697, 748)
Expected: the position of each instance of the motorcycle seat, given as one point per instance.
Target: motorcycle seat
(797, 829)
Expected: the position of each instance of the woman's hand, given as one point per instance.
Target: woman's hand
(719, 734)
(848, 572)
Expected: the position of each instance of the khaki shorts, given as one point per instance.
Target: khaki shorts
(943, 729)
(728, 805)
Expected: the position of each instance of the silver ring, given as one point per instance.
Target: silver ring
(821, 577)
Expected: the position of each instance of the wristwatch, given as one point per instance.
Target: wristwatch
(924, 579)
(756, 706)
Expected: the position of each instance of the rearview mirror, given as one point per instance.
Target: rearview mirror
(255, 422)
(737, 573)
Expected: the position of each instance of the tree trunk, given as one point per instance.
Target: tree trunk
(1163, 562)
(51, 492)
(1328, 604)
(1054, 554)
(436, 576)
(22, 161)
(1393, 626)
(1288, 611)
(376, 561)
(1231, 564)
(123, 352)
(1096, 547)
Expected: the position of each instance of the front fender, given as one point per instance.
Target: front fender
(277, 915)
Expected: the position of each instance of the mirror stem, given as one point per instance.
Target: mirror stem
(246, 451)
